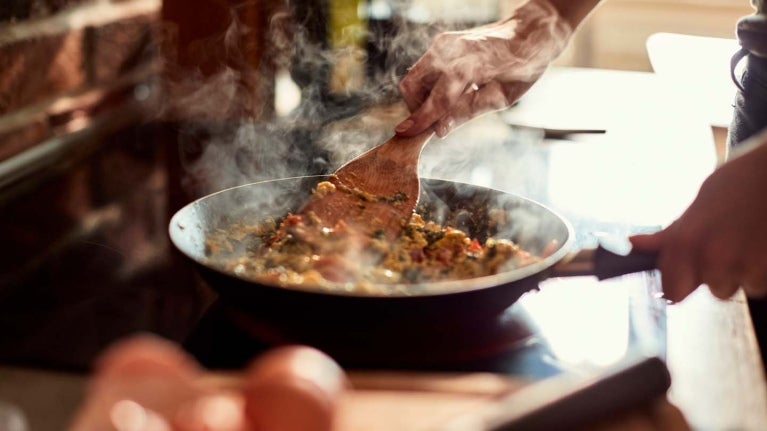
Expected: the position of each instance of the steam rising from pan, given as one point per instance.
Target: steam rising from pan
(225, 140)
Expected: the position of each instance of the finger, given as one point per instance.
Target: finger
(755, 283)
(416, 85)
(647, 242)
(140, 377)
(415, 90)
(721, 280)
(719, 268)
(143, 354)
(666, 416)
(221, 411)
(755, 290)
(445, 93)
(723, 290)
(676, 260)
(293, 388)
(490, 97)
(678, 280)
(721, 284)
(677, 264)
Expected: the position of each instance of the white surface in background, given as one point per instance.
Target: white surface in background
(698, 68)
(644, 170)
(578, 339)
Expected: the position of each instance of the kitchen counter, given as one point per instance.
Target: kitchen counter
(643, 172)
(637, 176)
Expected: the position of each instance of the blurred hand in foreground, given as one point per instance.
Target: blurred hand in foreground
(656, 415)
(145, 383)
(720, 239)
(467, 73)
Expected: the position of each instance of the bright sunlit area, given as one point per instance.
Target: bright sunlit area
(687, 42)
(596, 336)
(615, 36)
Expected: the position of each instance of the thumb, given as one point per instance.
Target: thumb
(648, 242)
(445, 93)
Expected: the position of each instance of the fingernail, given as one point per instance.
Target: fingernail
(404, 126)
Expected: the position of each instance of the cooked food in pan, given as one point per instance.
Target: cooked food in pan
(299, 251)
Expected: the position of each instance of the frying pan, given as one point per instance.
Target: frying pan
(455, 320)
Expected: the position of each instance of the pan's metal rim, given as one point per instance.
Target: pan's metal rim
(439, 288)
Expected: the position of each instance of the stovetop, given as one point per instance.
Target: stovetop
(570, 324)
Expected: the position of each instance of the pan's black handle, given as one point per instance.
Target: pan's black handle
(608, 264)
(604, 262)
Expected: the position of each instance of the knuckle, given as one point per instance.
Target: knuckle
(459, 72)
(444, 39)
(441, 37)
(438, 101)
(494, 98)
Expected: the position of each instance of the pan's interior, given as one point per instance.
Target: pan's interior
(533, 226)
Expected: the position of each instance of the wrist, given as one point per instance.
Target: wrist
(539, 20)
(573, 11)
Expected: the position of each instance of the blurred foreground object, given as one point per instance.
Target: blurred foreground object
(293, 388)
(145, 383)
(148, 384)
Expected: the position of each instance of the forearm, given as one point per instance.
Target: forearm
(498, 61)
(574, 11)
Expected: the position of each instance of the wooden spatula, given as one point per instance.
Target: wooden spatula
(376, 192)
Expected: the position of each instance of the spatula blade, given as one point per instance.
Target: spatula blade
(376, 192)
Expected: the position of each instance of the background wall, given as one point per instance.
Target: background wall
(614, 36)
(61, 60)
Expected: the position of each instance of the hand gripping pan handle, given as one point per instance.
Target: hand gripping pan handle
(605, 261)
